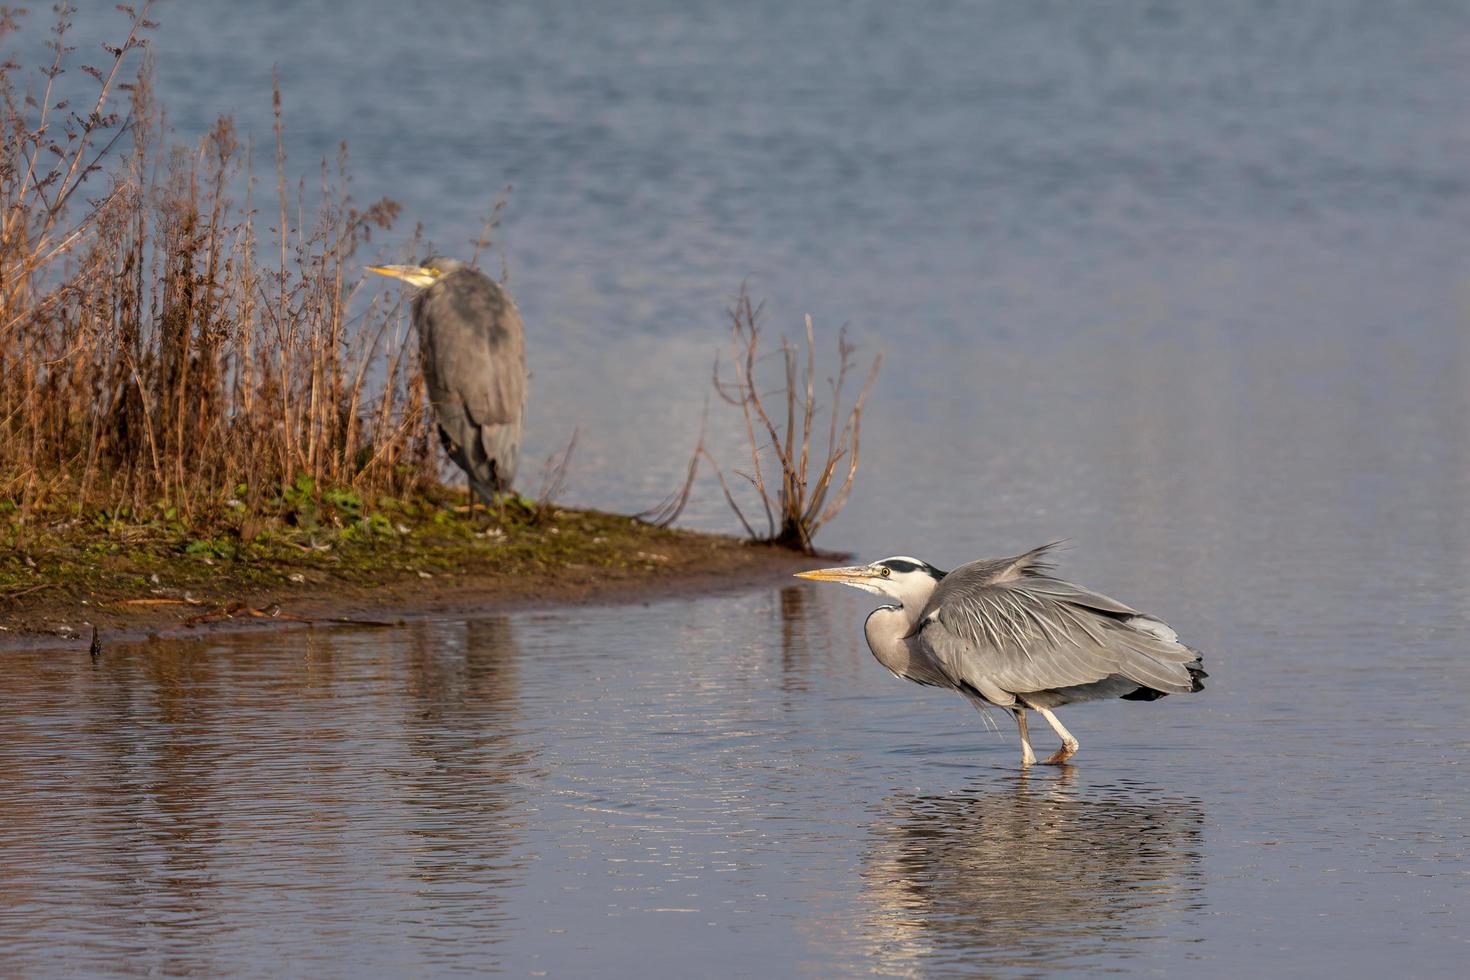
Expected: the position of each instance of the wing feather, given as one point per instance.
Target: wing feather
(474, 348)
(1007, 625)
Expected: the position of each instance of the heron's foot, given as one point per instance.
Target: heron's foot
(1028, 758)
(1061, 755)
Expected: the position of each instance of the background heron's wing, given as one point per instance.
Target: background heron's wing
(1008, 628)
(474, 348)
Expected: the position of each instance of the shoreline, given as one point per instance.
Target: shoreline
(597, 559)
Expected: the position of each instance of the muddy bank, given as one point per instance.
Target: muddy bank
(65, 583)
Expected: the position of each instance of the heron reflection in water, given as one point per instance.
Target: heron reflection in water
(473, 350)
(1005, 632)
(1037, 873)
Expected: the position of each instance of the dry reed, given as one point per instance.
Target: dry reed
(151, 355)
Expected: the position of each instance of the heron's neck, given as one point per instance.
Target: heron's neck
(887, 629)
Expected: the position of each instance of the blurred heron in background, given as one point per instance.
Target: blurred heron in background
(473, 350)
(1004, 632)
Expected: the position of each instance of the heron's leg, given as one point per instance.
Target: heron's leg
(1069, 742)
(1028, 758)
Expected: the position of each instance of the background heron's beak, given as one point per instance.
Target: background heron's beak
(848, 576)
(414, 275)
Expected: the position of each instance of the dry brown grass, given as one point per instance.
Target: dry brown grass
(157, 345)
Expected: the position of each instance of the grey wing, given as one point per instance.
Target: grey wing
(1008, 629)
(475, 349)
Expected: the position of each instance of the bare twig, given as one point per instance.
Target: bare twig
(17, 593)
(667, 511)
(487, 230)
(553, 480)
(800, 504)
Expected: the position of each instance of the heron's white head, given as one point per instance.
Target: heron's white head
(908, 580)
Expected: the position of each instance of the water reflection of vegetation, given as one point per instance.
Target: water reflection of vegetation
(1035, 873)
(212, 771)
(460, 726)
(795, 648)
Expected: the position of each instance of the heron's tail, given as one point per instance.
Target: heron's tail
(1197, 675)
(488, 458)
(501, 445)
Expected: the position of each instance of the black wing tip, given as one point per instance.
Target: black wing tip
(1197, 675)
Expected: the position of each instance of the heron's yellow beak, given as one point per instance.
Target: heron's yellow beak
(414, 275)
(850, 575)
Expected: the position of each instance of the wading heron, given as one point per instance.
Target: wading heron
(474, 355)
(1005, 632)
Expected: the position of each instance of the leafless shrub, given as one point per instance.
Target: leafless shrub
(807, 493)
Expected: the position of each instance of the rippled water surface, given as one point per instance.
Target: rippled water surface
(1184, 282)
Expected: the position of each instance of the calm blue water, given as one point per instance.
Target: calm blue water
(1184, 282)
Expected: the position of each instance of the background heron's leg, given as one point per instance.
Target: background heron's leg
(1069, 742)
(1028, 757)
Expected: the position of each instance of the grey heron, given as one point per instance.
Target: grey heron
(1005, 632)
(473, 350)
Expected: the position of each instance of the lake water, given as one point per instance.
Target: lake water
(1184, 282)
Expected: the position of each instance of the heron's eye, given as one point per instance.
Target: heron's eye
(887, 571)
